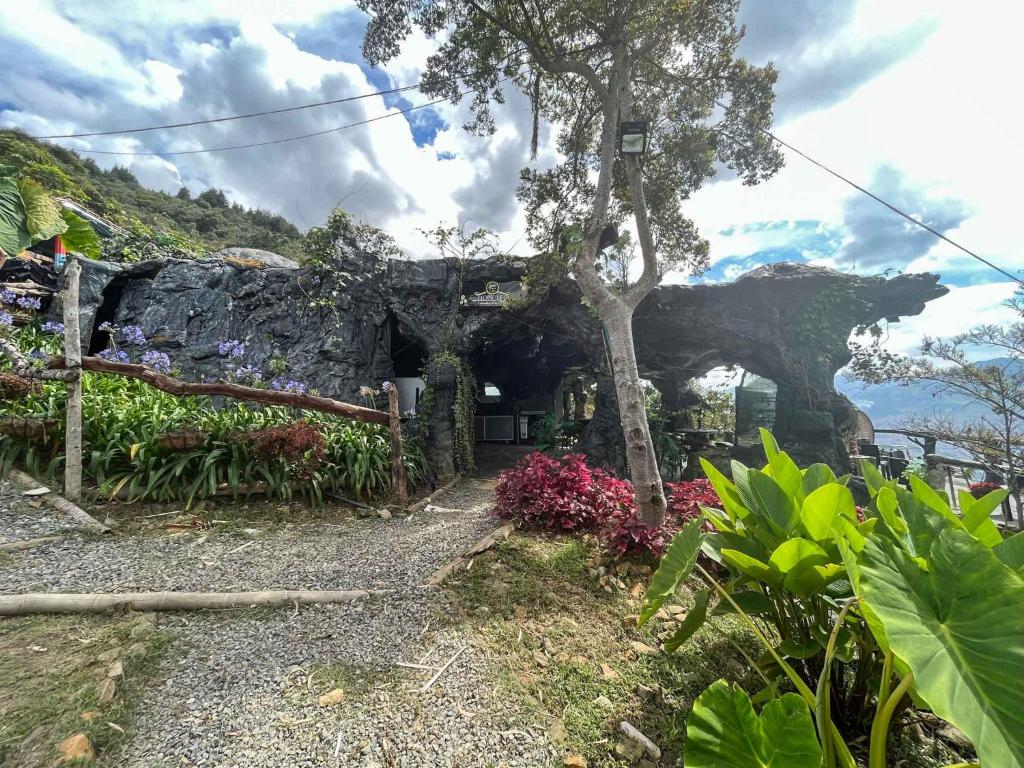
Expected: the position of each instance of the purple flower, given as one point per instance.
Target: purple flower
(6, 319)
(106, 326)
(39, 354)
(28, 302)
(232, 348)
(386, 386)
(114, 355)
(249, 374)
(7, 296)
(158, 361)
(288, 385)
(52, 326)
(132, 336)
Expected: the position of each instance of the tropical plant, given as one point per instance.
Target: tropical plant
(914, 604)
(28, 215)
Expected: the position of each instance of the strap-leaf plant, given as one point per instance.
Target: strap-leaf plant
(913, 604)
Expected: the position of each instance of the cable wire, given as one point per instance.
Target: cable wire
(401, 89)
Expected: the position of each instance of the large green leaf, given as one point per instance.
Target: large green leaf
(959, 627)
(675, 566)
(14, 235)
(42, 213)
(750, 602)
(823, 507)
(723, 731)
(976, 515)
(80, 237)
(694, 620)
(726, 491)
(1011, 552)
(765, 498)
(816, 476)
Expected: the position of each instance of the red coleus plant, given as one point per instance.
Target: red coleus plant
(297, 443)
(687, 497)
(981, 489)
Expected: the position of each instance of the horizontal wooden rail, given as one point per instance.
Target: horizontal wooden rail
(175, 386)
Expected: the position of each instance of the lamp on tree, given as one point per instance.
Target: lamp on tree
(633, 137)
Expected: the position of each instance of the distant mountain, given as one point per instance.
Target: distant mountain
(209, 218)
(888, 404)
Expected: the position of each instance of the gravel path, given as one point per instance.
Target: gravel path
(240, 689)
(23, 518)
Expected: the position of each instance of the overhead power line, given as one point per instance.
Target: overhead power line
(873, 196)
(269, 142)
(228, 118)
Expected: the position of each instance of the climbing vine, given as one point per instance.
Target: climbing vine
(464, 407)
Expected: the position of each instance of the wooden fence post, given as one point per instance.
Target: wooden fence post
(73, 361)
(397, 459)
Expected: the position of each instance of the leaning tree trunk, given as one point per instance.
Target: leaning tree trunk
(643, 464)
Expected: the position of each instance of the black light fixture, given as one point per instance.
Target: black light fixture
(633, 137)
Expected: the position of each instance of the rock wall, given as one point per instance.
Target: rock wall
(334, 330)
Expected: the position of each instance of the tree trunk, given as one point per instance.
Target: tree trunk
(643, 464)
(73, 359)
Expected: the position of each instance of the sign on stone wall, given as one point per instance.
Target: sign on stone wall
(494, 294)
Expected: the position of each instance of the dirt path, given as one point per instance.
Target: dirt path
(243, 688)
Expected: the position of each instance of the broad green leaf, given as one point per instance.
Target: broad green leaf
(80, 237)
(764, 498)
(874, 479)
(816, 476)
(787, 474)
(1011, 552)
(959, 627)
(693, 621)
(14, 235)
(930, 498)
(42, 213)
(726, 491)
(823, 507)
(752, 567)
(976, 516)
(888, 507)
(806, 648)
(797, 554)
(769, 443)
(675, 566)
(750, 602)
(723, 731)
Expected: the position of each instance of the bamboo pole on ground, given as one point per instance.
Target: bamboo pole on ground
(73, 359)
(56, 602)
(397, 459)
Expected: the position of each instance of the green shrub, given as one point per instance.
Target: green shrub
(862, 618)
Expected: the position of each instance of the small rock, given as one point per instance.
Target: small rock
(141, 631)
(629, 751)
(629, 622)
(108, 656)
(107, 689)
(643, 649)
(331, 698)
(540, 659)
(77, 747)
(115, 670)
(137, 650)
(384, 514)
(557, 732)
(89, 715)
(604, 702)
(608, 673)
(575, 761)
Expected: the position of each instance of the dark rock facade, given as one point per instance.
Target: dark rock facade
(365, 319)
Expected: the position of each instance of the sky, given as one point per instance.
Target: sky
(915, 100)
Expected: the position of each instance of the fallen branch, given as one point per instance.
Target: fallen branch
(24, 368)
(483, 545)
(413, 508)
(83, 518)
(55, 602)
(17, 546)
(180, 388)
(441, 671)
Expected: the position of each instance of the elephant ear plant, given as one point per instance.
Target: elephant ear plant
(862, 614)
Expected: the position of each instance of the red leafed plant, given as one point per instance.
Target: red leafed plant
(298, 443)
(980, 489)
(559, 494)
(687, 497)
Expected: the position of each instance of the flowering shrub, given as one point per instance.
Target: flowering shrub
(560, 494)
(7, 296)
(52, 326)
(158, 361)
(624, 535)
(132, 336)
(232, 348)
(29, 302)
(687, 497)
(249, 374)
(980, 489)
(298, 445)
(114, 355)
(6, 319)
(281, 384)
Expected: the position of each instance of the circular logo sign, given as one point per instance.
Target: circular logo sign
(492, 287)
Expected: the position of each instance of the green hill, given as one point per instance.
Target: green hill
(209, 219)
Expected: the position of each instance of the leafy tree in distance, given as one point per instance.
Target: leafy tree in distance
(587, 65)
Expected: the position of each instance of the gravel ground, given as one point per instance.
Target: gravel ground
(22, 519)
(240, 689)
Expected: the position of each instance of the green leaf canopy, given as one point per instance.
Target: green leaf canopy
(959, 627)
(723, 731)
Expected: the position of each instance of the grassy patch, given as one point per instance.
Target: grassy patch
(51, 673)
(571, 656)
(357, 682)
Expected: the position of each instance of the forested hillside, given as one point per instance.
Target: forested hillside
(209, 219)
